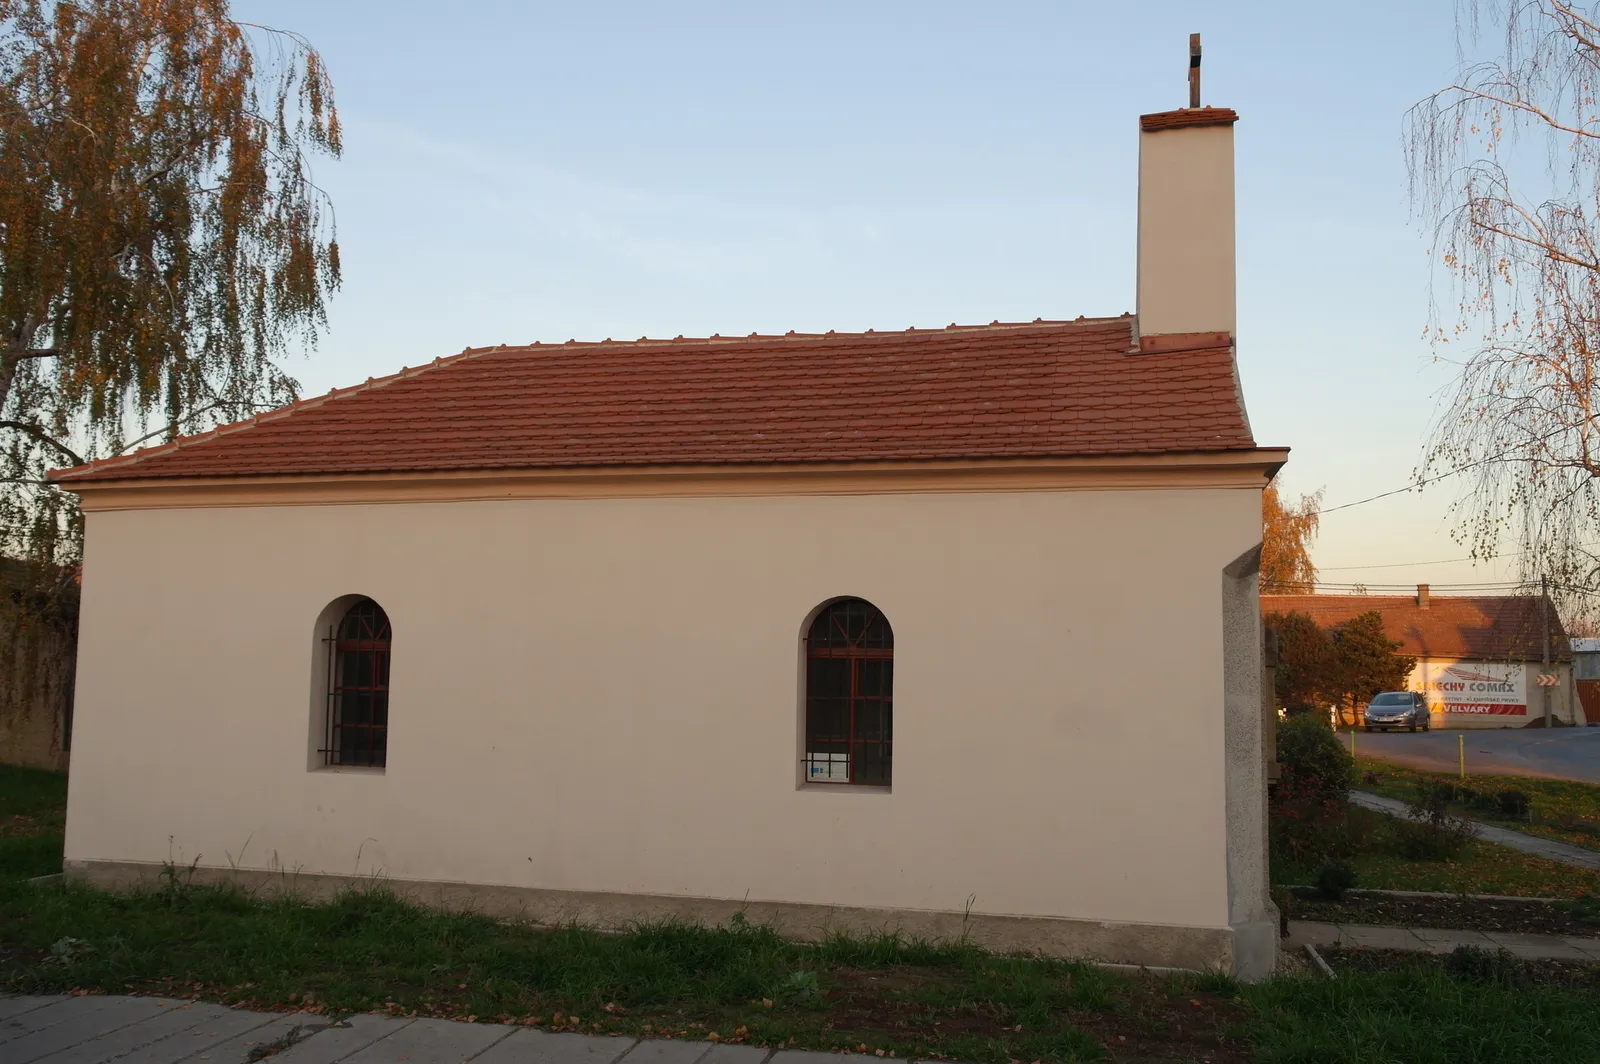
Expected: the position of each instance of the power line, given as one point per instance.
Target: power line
(1403, 565)
(1382, 495)
(1420, 483)
(1357, 588)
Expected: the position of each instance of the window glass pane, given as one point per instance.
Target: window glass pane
(875, 677)
(828, 677)
(871, 764)
(828, 718)
(872, 719)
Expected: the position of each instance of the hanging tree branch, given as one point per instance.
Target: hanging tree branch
(163, 244)
(37, 433)
(1505, 175)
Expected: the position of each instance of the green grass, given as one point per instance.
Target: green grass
(1420, 1016)
(33, 815)
(1565, 810)
(372, 951)
(1481, 868)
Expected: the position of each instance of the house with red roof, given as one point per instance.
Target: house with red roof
(1479, 657)
(830, 629)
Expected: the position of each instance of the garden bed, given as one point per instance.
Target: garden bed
(1347, 961)
(1458, 913)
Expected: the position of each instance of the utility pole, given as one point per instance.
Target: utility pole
(1544, 613)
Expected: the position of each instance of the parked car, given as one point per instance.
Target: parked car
(1396, 709)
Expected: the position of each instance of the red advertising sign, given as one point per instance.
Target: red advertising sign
(1472, 688)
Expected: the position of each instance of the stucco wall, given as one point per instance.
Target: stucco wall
(603, 695)
(1186, 231)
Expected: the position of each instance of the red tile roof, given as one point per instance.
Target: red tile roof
(1043, 389)
(1188, 118)
(1469, 627)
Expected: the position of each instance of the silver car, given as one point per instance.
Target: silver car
(1396, 709)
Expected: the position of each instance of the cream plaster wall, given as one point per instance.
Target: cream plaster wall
(602, 695)
(1186, 236)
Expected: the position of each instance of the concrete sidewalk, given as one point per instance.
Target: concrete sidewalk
(1565, 852)
(1430, 940)
(143, 1030)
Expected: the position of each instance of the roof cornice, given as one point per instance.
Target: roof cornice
(1220, 469)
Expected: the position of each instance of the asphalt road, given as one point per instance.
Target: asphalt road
(1561, 753)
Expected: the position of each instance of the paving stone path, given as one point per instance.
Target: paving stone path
(144, 1030)
(1564, 852)
(1423, 939)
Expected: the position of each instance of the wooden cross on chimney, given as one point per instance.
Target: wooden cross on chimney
(1194, 70)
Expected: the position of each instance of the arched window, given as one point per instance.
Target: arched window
(358, 687)
(849, 695)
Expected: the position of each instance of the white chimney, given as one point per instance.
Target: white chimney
(1186, 257)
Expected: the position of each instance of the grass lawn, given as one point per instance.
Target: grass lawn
(1482, 868)
(1558, 809)
(33, 815)
(371, 951)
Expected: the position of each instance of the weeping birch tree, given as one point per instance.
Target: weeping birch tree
(162, 242)
(1287, 530)
(1505, 172)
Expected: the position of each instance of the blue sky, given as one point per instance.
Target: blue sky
(540, 171)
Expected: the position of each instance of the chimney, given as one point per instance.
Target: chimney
(1422, 596)
(1186, 258)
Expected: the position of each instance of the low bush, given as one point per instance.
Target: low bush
(1334, 879)
(1313, 759)
(1476, 800)
(1305, 827)
(1576, 823)
(1511, 802)
(1434, 832)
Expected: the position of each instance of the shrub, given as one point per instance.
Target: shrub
(1577, 824)
(1477, 800)
(1512, 802)
(1434, 832)
(1306, 828)
(1334, 879)
(1313, 759)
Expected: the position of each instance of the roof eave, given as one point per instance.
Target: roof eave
(1243, 468)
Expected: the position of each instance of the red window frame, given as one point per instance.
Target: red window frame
(849, 695)
(358, 688)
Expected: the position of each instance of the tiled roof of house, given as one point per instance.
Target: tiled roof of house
(1041, 389)
(1468, 627)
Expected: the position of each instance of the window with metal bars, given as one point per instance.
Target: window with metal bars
(358, 688)
(849, 695)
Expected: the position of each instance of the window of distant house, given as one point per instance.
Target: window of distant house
(358, 687)
(849, 696)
